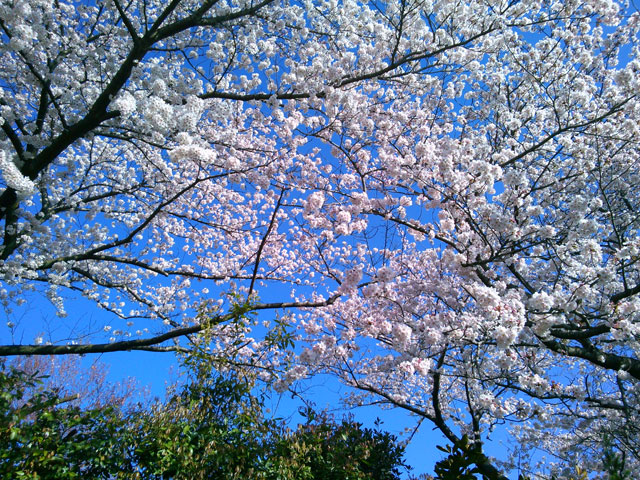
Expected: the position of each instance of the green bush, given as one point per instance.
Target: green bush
(213, 427)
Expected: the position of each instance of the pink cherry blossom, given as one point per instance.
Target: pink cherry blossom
(436, 202)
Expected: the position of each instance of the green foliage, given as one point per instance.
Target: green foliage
(460, 463)
(324, 449)
(615, 463)
(42, 439)
(208, 430)
(213, 427)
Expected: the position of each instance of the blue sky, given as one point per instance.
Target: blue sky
(154, 371)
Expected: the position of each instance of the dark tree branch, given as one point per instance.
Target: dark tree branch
(618, 297)
(597, 357)
(152, 343)
(127, 345)
(127, 22)
(263, 242)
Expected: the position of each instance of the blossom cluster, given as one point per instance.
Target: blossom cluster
(435, 201)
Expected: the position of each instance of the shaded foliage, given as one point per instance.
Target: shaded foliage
(212, 427)
(42, 437)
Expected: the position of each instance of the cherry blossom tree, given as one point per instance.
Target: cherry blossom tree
(442, 197)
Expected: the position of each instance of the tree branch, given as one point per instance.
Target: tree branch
(151, 343)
